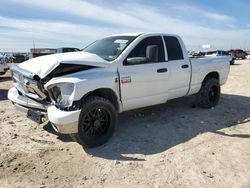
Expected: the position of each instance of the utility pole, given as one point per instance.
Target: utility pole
(34, 47)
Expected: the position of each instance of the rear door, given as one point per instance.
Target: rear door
(146, 83)
(179, 68)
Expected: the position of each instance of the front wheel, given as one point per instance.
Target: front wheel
(209, 93)
(97, 121)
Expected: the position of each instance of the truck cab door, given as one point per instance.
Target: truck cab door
(144, 80)
(179, 67)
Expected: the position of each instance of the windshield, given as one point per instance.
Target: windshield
(109, 48)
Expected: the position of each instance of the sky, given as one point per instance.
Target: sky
(224, 24)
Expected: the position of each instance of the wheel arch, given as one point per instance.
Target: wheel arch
(213, 74)
(106, 93)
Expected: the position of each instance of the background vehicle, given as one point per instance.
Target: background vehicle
(19, 58)
(48, 51)
(36, 52)
(237, 53)
(248, 54)
(33, 55)
(221, 53)
(3, 65)
(196, 54)
(83, 92)
(67, 49)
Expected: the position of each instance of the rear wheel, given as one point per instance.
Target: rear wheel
(209, 93)
(97, 121)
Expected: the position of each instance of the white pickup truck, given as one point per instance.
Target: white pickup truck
(82, 92)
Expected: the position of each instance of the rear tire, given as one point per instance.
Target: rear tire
(209, 93)
(97, 122)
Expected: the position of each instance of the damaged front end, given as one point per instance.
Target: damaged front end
(28, 94)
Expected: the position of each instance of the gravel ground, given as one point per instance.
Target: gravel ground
(170, 145)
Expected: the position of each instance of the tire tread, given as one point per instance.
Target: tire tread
(202, 95)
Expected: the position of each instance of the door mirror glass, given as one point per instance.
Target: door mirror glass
(136, 60)
(152, 53)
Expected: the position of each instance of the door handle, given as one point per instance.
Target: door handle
(162, 70)
(184, 66)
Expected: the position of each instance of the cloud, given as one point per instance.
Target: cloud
(86, 10)
(125, 18)
(20, 33)
(204, 13)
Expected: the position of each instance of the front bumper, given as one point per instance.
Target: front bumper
(20, 100)
(65, 122)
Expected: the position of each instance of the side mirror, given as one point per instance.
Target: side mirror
(152, 53)
(136, 60)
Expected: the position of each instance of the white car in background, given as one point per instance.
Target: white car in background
(248, 55)
(220, 53)
(3, 65)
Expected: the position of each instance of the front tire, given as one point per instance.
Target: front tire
(97, 121)
(209, 93)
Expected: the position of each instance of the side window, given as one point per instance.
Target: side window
(141, 48)
(225, 53)
(173, 48)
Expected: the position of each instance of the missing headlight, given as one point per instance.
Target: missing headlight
(62, 94)
(56, 94)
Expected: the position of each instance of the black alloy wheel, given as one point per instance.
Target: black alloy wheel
(97, 121)
(209, 94)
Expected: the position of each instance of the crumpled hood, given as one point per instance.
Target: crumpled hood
(43, 65)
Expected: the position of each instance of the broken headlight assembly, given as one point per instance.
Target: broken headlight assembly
(62, 94)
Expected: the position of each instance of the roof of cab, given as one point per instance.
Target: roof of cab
(143, 33)
(127, 34)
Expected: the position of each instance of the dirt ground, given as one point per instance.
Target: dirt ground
(170, 145)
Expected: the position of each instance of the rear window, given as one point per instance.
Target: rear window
(225, 53)
(173, 48)
(211, 52)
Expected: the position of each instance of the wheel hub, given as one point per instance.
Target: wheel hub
(97, 123)
(213, 93)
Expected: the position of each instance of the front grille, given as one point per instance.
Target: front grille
(25, 83)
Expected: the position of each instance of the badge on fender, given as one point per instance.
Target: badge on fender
(126, 79)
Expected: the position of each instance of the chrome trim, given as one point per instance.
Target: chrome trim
(36, 90)
(25, 83)
(24, 72)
